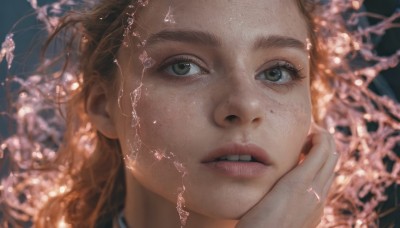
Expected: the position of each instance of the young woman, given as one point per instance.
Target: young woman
(200, 113)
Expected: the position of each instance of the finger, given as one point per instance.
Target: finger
(327, 186)
(326, 171)
(315, 160)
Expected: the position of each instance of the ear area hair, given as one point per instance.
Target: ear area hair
(98, 108)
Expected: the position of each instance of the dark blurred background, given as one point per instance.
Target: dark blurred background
(18, 17)
(389, 81)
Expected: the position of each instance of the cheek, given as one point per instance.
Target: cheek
(166, 119)
(291, 123)
(163, 120)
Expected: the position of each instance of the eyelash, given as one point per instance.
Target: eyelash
(280, 64)
(181, 59)
(294, 71)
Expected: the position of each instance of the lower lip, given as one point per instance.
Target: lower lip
(238, 169)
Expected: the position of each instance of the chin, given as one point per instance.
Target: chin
(225, 209)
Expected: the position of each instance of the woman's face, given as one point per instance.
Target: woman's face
(229, 78)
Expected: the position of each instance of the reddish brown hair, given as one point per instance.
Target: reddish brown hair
(98, 183)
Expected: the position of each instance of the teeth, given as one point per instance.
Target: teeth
(232, 157)
(245, 158)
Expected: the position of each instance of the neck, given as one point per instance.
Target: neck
(146, 209)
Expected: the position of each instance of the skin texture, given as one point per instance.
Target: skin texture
(227, 101)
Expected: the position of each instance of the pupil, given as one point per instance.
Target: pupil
(181, 68)
(274, 74)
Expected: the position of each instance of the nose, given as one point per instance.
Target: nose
(239, 105)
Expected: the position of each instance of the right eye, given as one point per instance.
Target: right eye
(183, 69)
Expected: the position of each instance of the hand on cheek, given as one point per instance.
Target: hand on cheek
(297, 199)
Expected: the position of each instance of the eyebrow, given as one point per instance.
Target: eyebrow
(187, 36)
(278, 41)
(209, 39)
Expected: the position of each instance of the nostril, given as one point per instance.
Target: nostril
(231, 118)
(256, 120)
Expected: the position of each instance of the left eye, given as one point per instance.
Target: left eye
(183, 69)
(278, 75)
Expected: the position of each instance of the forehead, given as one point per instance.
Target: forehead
(226, 18)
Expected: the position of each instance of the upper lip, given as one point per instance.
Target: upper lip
(257, 153)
